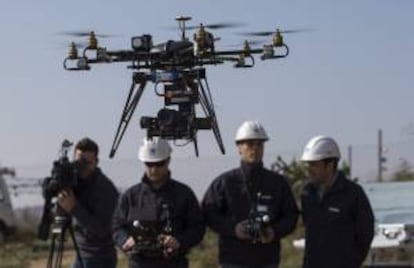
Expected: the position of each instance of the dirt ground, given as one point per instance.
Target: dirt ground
(42, 263)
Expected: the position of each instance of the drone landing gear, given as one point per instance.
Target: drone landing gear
(206, 102)
(131, 103)
(184, 88)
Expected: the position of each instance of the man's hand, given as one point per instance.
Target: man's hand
(241, 230)
(67, 200)
(170, 244)
(128, 244)
(267, 235)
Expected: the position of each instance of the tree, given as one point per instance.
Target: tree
(296, 173)
(404, 172)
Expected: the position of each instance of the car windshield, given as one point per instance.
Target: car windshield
(392, 202)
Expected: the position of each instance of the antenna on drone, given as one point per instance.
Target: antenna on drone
(181, 23)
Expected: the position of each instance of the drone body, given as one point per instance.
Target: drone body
(178, 66)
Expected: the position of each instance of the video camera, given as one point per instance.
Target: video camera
(64, 175)
(259, 218)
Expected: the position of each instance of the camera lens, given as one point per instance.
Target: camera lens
(168, 118)
(147, 121)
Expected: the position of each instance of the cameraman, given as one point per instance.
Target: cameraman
(91, 203)
(147, 201)
(229, 200)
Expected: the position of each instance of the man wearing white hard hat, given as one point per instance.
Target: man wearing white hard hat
(159, 219)
(250, 207)
(336, 212)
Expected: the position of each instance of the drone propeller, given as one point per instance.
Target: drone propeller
(217, 26)
(92, 40)
(85, 34)
(248, 42)
(268, 33)
(76, 44)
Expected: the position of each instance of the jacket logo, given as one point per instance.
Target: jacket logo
(267, 197)
(334, 209)
(262, 208)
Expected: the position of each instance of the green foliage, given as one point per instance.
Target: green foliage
(295, 172)
(345, 168)
(404, 172)
(206, 253)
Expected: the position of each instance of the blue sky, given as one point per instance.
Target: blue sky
(348, 78)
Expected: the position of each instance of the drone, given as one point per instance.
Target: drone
(177, 69)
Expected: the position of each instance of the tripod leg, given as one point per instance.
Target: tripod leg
(59, 255)
(72, 235)
(56, 248)
(51, 252)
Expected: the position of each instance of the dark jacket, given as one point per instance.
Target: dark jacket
(96, 201)
(339, 227)
(142, 202)
(228, 201)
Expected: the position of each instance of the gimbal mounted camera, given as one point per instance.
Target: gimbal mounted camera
(179, 67)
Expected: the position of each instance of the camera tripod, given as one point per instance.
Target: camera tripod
(62, 223)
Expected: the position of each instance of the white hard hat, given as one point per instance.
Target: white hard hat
(319, 148)
(154, 150)
(251, 130)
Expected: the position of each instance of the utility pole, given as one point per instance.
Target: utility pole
(350, 161)
(381, 158)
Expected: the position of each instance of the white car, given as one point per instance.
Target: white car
(7, 217)
(393, 244)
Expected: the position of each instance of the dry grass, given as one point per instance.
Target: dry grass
(24, 250)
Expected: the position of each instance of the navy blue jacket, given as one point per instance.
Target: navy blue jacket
(96, 200)
(339, 227)
(228, 201)
(142, 202)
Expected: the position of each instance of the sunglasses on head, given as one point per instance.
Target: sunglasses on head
(155, 164)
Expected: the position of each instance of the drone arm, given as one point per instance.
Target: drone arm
(129, 108)
(238, 52)
(74, 63)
